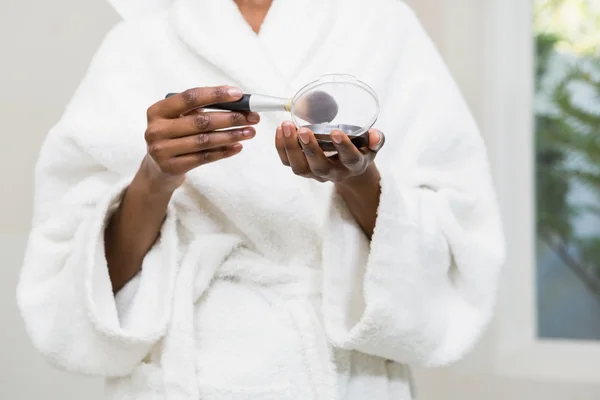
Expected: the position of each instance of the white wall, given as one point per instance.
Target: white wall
(46, 47)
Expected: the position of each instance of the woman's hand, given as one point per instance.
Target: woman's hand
(300, 151)
(352, 170)
(181, 136)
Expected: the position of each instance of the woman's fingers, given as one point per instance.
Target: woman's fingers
(300, 150)
(349, 155)
(195, 123)
(292, 154)
(318, 163)
(295, 156)
(376, 140)
(181, 135)
(182, 164)
(182, 103)
(199, 142)
(280, 146)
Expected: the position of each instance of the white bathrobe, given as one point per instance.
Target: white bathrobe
(262, 286)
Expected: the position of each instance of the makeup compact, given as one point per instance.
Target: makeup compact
(357, 109)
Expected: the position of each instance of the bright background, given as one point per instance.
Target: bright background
(489, 46)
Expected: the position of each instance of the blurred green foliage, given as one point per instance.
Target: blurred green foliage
(568, 132)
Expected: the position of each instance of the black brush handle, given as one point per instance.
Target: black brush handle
(242, 104)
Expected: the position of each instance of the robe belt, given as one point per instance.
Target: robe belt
(292, 288)
(296, 290)
(286, 280)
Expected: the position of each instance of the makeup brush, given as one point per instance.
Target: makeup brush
(316, 108)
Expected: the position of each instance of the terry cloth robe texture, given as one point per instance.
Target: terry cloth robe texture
(262, 286)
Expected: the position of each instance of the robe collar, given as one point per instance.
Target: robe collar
(268, 62)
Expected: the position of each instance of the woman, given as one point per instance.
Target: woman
(272, 272)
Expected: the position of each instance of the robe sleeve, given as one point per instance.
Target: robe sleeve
(423, 289)
(64, 292)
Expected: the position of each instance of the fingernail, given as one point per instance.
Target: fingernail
(278, 133)
(377, 146)
(235, 92)
(236, 147)
(336, 137)
(247, 132)
(304, 137)
(253, 118)
(287, 130)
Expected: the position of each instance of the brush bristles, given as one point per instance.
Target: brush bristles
(317, 108)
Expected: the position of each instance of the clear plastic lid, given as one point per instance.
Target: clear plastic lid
(336, 100)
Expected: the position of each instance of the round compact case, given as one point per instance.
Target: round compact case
(357, 109)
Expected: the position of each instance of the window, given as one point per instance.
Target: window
(567, 168)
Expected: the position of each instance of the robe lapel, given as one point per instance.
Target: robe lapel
(293, 32)
(216, 31)
(269, 62)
